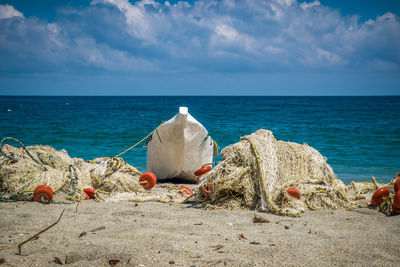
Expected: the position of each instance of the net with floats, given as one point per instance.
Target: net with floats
(258, 172)
(23, 169)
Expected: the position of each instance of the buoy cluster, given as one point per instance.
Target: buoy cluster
(44, 194)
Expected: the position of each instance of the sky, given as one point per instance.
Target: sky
(203, 47)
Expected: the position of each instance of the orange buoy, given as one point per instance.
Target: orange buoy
(202, 170)
(43, 194)
(185, 192)
(89, 193)
(396, 186)
(379, 195)
(293, 192)
(148, 180)
(396, 202)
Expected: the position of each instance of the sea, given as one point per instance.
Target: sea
(359, 136)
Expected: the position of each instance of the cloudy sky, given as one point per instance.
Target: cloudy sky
(203, 47)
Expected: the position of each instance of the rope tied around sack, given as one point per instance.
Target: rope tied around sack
(126, 150)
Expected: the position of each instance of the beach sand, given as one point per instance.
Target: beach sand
(158, 234)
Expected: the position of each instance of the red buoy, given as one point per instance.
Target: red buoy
(379, 195)
(148, 180)
(43, 194)
(202, 170)
(89, 193)
(396, 187)
(293, 192)
(396, 202)
(185, 191)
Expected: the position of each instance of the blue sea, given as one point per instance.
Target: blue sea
(360, 136)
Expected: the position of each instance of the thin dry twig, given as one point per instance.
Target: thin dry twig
(217, 247)
(36, 235)
(98, 229)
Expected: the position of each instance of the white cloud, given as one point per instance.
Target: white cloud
(306, 5)
(139, 21)
(205, 35)
(226, 31)
(7, 11)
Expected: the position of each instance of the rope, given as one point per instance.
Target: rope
(19, 196)
(113, 165)
(387, 206)
(23, 147)
(318, 190)
(374, 182)
(123, 152)
(265, 196)
(216, 146)
(74, 183)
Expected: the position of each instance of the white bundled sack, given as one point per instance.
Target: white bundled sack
(179, 147)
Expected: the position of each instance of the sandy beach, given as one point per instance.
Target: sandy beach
(158, 234)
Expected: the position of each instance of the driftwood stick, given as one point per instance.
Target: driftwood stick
(47, 228)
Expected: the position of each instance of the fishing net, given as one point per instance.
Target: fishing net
(162, 193)
(23, 169)
(256, 172)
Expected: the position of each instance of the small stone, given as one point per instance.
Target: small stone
(171, 262)
(286, 227)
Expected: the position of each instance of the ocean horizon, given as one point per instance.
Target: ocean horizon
(359, 135)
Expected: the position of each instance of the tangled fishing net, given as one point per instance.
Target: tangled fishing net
(23, 169)
(163, 193)
(256, 172)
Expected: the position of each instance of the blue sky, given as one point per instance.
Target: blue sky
(228, 47)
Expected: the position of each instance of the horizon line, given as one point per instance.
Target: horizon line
(201, 95)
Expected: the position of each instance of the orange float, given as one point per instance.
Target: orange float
(293, 192)
(43, 194)
(89, 193)
(396, 186)
(396, 202)
(379, 195)
(185, 192)
(202, 170)
(148, 180)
